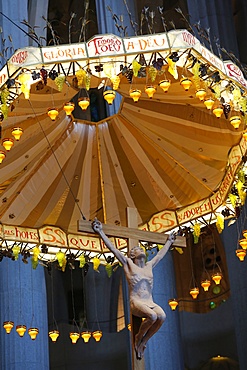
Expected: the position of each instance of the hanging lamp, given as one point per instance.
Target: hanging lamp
(173, 303)
(194, 292)
(218, 111)
(68, 108)
(83, 102)
(244, 232)
(86, 335)
(243, 243)
(209, 103)
(21, 329)
(33, 332)
(109, 96)
(52, 113)
(74, 336)
(200, 94)
(135, 94)
(150, 90)
(2, 155)
(205, 284)
(17, 132)
(235, 121)
(164, 85)
(97, 335)
(245, 135)
(7, 144)
(241, 253)
(54, 334)
(186, 83)
(217, 277)
(8, 326)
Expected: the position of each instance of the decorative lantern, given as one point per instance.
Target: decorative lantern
(7, 144)
(33, 332)
(109, 96)
(86, 335)
(218, 111)
(209, 102)
(241, 253)
(194, 292)
(205, 284)
(21, 329)
(217, 277)
(165, 84)
(200, 94)
(83, 102)
(54, 334)
(150, 90)
(8, 326)
(129, 327)
(17, 132)
(74, 337)
(2, 155)
(173, 303)
(52, 113)
(243, 243)
(97, 335)
(235, 121)
(186, 83)
(244, 232)
(69, 107)
(135, 94)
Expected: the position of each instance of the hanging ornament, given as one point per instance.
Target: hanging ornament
(25, 80)
(196, 232)
(172, 68)
(96, 263)
(59, 81)
(82, 261)
(136, 67)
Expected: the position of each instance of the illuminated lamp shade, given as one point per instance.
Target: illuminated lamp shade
(173, 303)
(217, 278)
(205, 284)
(21, 329)
(52, 113)
(54, 334)
(209, 102)
(245, 135)
(7, 144)
(135, 94)
(129, 327)
(74, 337)
(97, 335)
(83, 102)
(165, 84)
(186, 83)
(17, 132)
(69, 107)
(86, 335)
(194, 292)
(243, 243)
(33, 332)
(200, 94)
(241, 253)
(150, 90)
(244, 232)
(217, 111)
(235, 121)
(8, 326)
(2, 155)
(109, 96)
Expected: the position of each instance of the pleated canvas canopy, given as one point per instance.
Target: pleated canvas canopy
(169, 157)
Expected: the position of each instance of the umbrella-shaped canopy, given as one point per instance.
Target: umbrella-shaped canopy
(158, 155)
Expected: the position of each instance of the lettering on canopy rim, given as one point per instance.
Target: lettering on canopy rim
(108, 44)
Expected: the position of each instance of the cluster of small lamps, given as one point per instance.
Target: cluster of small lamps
(53, 334)
(8, 143)
(241, 252)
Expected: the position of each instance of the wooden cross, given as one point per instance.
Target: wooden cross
(133, 235)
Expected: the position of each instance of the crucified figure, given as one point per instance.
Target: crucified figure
(139, 274)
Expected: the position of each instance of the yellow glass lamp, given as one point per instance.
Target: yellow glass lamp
(243, 243)
(217, 277)
(54, 334)
(194, 292)
(241, 253)
(209, 103)
(52, 113)
(17, 132)
(235, 121)
(74, 337)
(218, 111)
(97, 335)
(83, 102)
(173, 303)
(69, 107)
(2, 155)
(135, 94)
(200, 94)
(186, 83)
(245, 135)
(150, 90)
(8, 326)
(86, 335)
(165, 84)
(21, 329)
(244, 232)
(33, 332)
(129, 327)
(7, 144)
(109, 96)
(205, 284)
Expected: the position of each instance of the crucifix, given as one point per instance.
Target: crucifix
(147, 316)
